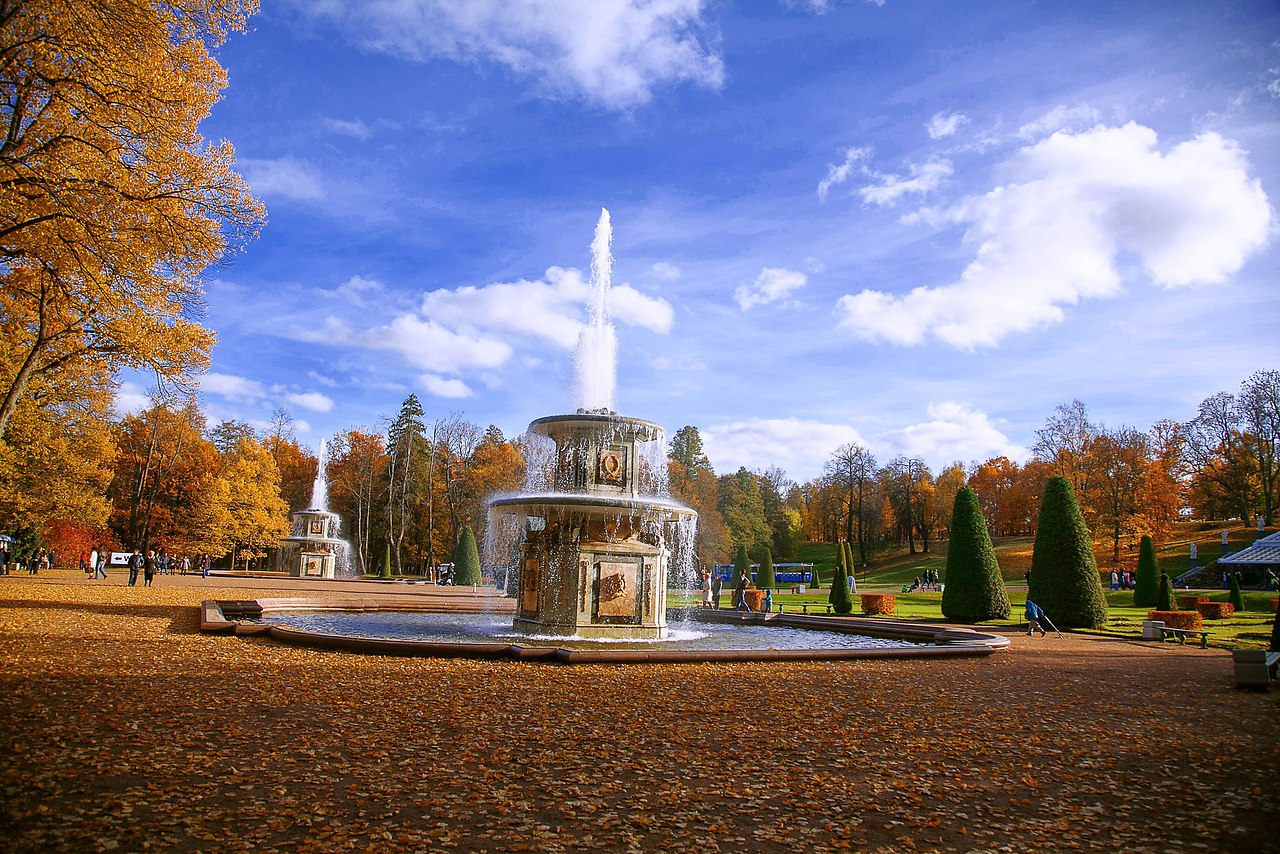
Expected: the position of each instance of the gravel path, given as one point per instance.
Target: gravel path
(125, 729)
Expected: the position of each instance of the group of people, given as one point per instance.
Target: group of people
(932, 581)
(713, 585)
(36, 561)
(1121, 580)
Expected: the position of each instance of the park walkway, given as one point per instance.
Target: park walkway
(125, 729)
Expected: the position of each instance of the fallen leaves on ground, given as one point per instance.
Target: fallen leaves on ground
(124, 729)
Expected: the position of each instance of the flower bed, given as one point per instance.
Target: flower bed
(1178, 619)
(1216, 610)
(1191, 602)
(879, 603)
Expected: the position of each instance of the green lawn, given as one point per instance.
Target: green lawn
(1248, 628)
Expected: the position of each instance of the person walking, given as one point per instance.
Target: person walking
(1035, 616)
(716, 586)
(204, 566)
(99, 565)
(149, 567)
(185, 566)
(136, 563)
(706, 589)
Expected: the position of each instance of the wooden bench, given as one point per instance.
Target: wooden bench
(1182, 634)
(1255, 668)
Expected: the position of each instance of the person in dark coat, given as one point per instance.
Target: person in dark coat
(716, 586)
(136, 563)
(149, 567)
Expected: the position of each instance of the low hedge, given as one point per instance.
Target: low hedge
(1191, 602)
(1178, 619)
(1216, 610)
(879, 603)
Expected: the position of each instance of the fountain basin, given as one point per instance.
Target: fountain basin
(746, 637)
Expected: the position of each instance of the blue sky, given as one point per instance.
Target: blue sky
(918, 225)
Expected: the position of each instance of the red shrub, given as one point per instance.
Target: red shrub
(1216, 610)
(879, 603)
(1178, 619)
(1190, 602)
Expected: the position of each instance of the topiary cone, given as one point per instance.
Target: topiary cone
(1064, 575)
(1146, 586)
(466, 559)
(975, 589)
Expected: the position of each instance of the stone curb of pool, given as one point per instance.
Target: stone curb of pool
(234, 616)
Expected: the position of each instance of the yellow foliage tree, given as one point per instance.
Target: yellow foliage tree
(111, 204)
(258, 516)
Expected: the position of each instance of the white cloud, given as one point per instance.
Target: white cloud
(355, 128)
(666, 270)
(1051, 235)
(322, 379)
(430, 346)
(441, 387)
(232, 387)
(945, 124)
(773, 284)
(799, 447)
(130, 398)
(954, 431)
(313, 400)
(551, 310)
(1076, 118)
(837, 175)
(817, 7)
(925, 178)
(612, 52)
(286, 177)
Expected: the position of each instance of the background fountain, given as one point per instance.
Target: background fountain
(316, 549)
(594, 532)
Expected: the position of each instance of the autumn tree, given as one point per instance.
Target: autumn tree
(112, 203)
(257, 517)
(1259, 406)
(1118, 460)
(163, 458)
(852, 469)
(297, 467)
(974, 589)
(1164, 487)
(693, 482)
(1219, 454)
(1065, 442)
(355, 468)
(783, 521)
(1064, 576)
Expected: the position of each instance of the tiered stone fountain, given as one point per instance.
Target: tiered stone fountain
(595, 524)
(315, 549)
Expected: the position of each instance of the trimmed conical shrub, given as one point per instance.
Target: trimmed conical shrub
(839, 596)
(837, 575)
(385, 572)
(466, 559)
(1235, 597)
(1064, 576)
(851, 570)
(741, 566)
(975, 589)
(1146, 586)
(1164, 599)
(764, 578)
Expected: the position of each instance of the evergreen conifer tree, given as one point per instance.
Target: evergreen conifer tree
(466, 559)
(975, 589)
(851, 568)
(1164, 601)
(1146, 586)
(1235, 597)
(1064, 575)
(764, 578)
(741, 566)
